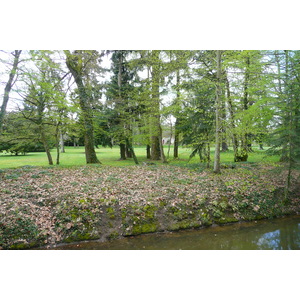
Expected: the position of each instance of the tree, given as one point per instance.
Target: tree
(81, 63)
(179, 65)
(9, 86)
(197, 118)
(44, 100)
(218, 113)
(286, 136)
(19, 135)
(154, 118)
(248, 94)
(120, 95)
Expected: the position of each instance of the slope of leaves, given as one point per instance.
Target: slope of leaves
(43, 205)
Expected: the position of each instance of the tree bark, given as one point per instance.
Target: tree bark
(89, 143)
(57, 140)
(46, 146)
(148, 151)
(171, 136)
(290, 130)
(161, 148)
(155, 116)
(176, 139)
(128, 150)
(235, 143)
(122, 151)
(246, 145)
(176, 134)
(9, 86)
(224, 145)
(218, 114)
(61, 142)
(132, 151)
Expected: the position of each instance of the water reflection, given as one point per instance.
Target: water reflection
(280, 234)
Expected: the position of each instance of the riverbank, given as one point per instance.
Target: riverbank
(47, 206)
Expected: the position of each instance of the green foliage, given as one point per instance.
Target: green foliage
(19, 136)
(18, 232)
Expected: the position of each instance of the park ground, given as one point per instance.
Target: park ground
(43, 206)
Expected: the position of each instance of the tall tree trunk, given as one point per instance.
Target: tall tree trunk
(45, 144)
(218, 114)
(61, 142)
(176, 139)
(148, 151)
(122, 151)
(170, 141)
(120, 107)
(246, 143)
(290, 130)
(235, 144)
(176, 135)
(128, 147)
(89, 143)
(161, 148)
(155, 115)
(155, 147)
(9, 86)
(282, 81)
(208, 156)
(224, 145)
(57, 142)
(128, 142)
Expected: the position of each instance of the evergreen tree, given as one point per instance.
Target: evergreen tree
(120, 95)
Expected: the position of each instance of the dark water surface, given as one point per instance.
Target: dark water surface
(280, 234)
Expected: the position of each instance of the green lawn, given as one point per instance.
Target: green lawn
(107, 156)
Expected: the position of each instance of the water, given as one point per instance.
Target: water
(276, 234)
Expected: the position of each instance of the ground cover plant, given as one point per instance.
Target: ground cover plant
(48, 205)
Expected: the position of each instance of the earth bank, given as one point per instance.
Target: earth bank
(47, 206)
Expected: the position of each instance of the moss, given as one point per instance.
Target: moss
(178, 213)
(110, 224)
(185, 224)
(149, 211)
(114, 235)
(111, 212)
(23, 245)
(81, 236)
(206, 220)
(162, 203)
(217, 213)
(252, 217)
(123, 214)
(144, 228)
(226, 219)
(223, 204)
(81, 214)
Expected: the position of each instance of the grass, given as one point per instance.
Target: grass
(107, 156)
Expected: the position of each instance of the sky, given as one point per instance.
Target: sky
(15, 99)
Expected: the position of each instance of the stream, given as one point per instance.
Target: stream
(274, 234)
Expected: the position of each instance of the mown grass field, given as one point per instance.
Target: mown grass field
(110, 157)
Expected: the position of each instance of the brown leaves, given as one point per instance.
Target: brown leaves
(41, 193)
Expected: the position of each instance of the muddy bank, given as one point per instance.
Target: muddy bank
(47, 206)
